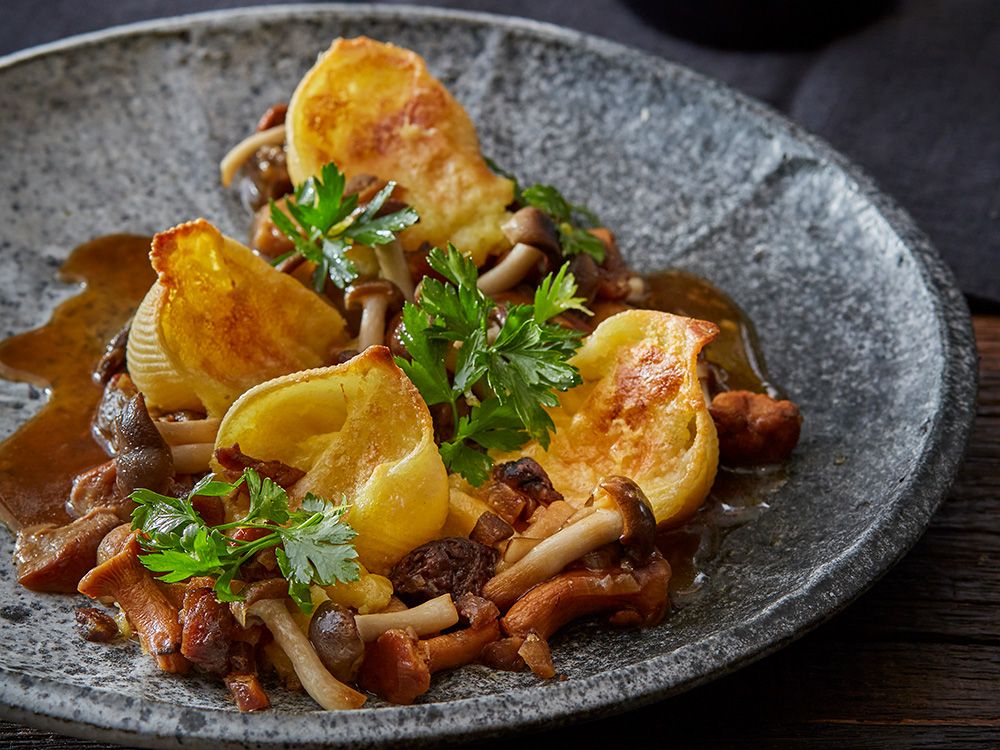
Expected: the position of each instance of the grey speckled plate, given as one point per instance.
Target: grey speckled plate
(860, 321)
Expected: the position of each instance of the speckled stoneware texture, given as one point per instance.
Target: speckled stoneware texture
(860, 322)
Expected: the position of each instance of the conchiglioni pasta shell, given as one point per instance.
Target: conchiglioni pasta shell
(151, 370)
(374, 108)
(219, 320)
(361, 431)
(640, 412)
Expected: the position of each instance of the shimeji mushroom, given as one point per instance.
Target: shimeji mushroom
(513, 267)
(621, 513)
(376, 298)
(325, 689)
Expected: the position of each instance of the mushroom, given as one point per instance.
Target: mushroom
(188, 431)
(322, 686)
(143, 457)
(398, 667)
(621, 512)
(553, 554)
(126, 580)
(377, 299)
(242, 680)
(513, 267)
(531, 226)
(638, 535)
(636, 596)
(430, 617)
(334, 635)
(54, 558)
(392, 263)
(246, 148)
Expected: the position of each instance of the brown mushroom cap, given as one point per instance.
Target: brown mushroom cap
(144, 458)
(334, 635)
(638, 535)
(356, 295)
(532, 227)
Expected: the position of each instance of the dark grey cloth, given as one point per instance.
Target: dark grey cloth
(913, 96)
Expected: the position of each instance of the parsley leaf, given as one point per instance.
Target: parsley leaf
(520, 367)
(313, 543)
(571, 219)
(327, 223)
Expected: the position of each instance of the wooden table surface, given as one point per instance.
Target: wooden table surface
(914, 663)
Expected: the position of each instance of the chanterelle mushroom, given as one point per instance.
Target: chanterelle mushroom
(637, 597)
(376, 298)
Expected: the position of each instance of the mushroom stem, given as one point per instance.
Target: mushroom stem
(372, 330)
(393, 265)
(246, 148)
(509, 271)
(189, 431)
(430, 617)
(192, 458)
(552, 555)
(325, 689)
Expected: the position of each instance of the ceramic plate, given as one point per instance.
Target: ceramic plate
(861, 323)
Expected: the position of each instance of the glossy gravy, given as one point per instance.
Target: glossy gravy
(39, 461)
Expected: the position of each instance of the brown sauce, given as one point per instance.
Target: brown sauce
(735, 355)
(39, 461)
(738, 494)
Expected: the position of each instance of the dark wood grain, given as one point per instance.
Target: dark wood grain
(914, 663)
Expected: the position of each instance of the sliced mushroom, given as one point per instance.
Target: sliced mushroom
(531, 226)
(126, 580)
(242, 680)
(395, 668)
(536, 654)
(513, 267)
(640, 593)
(490, 529)
(377, 299)
(55, 558)
(322, 686)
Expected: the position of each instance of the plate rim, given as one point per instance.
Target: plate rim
(624, 688)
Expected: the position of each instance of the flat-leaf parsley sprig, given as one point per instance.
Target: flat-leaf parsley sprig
(520, 365)
(572, 220)
(313, 543)
(329, 222)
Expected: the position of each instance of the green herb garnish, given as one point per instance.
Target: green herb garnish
(519, 367)
(571, 219)
(329, 222)
(313, 543)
